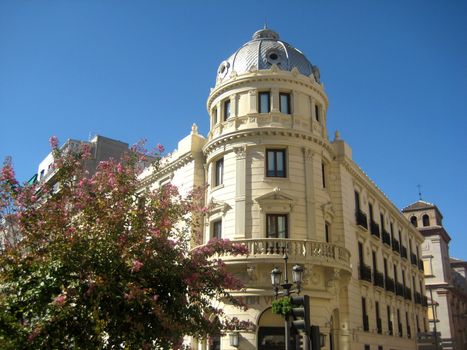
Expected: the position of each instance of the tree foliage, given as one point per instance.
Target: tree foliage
(94, 262)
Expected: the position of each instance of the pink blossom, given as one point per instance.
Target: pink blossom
(160, 148)
(60, 299)
(53, 142)
(137, 265)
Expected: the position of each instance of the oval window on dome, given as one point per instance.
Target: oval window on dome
(223, 68)
(273, 56)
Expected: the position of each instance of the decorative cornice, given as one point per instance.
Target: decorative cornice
(239, 134)
(169, 168)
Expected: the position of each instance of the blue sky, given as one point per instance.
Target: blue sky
(395, 73)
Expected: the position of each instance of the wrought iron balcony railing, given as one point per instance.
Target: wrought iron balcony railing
(418, 298)
(396, 246)
(407, 293)
(413, 259)
(403, 252)
(399, 289)
(389, 284)
(365, 272)
(361, 219)
(374, 229)
(378, 279)
(386, 238)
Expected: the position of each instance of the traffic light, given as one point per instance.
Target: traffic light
(301, 319)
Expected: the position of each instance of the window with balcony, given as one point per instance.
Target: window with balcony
(264, 102)
(277, 226)
(364, 270)
(379, 323)
(226, 109)
(219, 172)
(374, 227)
(390, 327)
(276, 162)
(284, 103)
(216, 229)
(366, 325)
(360, 216)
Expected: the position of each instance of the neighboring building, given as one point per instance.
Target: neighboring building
(276, 181)
(445, 277)
(102, 148)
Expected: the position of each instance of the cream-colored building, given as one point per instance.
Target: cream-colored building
(445, 277)
(276, 180)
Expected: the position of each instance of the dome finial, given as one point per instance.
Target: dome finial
(265, 22)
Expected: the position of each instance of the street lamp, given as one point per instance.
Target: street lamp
(297, 276)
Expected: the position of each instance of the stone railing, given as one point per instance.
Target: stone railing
(315, 252)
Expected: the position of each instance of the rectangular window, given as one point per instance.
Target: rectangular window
(381, 219)
(323, 174)
(357, 201)
(317, 112)
(214, 116)
(226, 110)
(360, 253)
(276, 226)
(217, 229)
(370, 211)
(264, 102)
(365, 316)
(219, 175)
(275, 163)
(327, 232)
(284, 103)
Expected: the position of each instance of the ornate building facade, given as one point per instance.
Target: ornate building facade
(277, 183)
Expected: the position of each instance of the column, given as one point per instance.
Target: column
(240, 184)
(309, 193)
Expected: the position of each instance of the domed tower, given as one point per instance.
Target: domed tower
(268, 160)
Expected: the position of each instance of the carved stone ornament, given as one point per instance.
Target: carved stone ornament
(307, 153)
(240, 151)
(316, 73)
(295, 71)
(328, 211)
(252, 272)
(218, 207)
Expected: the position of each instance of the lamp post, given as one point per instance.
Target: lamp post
(435, 318)
(297, 275)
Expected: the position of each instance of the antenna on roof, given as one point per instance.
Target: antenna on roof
(419, 192)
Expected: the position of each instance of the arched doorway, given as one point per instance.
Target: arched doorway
(270, 331)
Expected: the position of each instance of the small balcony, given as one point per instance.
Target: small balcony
(399, 289)
(269, 250)
(389, 284)
(418, 298)
(361, 219)
(378, 279)
(407, 293)
(379, 326)
(395, 246)
(374, 229)
(424, 301)
(365, 272)
(413, 259)
(403, 252)
(386, 238)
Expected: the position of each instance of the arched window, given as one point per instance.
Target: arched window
(413, 220)
(426, 220)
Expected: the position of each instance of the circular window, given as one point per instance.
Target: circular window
(223, 68)
(273, 56)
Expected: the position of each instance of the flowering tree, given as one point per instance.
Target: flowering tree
(94, 262)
